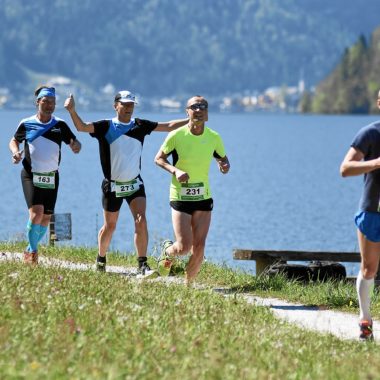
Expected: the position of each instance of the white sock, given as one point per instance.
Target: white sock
(364, 288)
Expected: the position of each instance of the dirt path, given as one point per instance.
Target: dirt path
(342, 325)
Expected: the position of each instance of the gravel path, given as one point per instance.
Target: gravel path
(342, 325)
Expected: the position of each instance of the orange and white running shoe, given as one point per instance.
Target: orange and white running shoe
(366, 332)
(165, 262)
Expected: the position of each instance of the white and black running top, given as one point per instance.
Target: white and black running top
(42, 143)
(120, 146)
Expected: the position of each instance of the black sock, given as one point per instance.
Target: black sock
(141, 261)
(101, 259)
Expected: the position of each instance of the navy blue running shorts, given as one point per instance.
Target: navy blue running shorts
(368, 224)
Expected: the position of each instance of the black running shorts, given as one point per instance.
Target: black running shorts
(189, 207)
(112, 203)
(37, 196)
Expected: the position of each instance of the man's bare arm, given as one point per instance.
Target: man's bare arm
(14, 147)
(80, 125)
(162, 161)
(171, 125)
(353, 164)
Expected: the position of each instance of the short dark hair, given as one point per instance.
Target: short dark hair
(199, 96)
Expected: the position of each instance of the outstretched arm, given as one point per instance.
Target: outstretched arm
(161, 160)
(224, 164)
(353, 164)
(14, 146)
(171, 125)
(78, 122)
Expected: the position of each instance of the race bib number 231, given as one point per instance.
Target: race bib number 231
(192, 191)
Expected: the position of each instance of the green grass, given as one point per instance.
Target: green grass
(62, 324)
(335, 295)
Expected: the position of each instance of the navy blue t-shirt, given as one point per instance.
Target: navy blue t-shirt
(368, 142)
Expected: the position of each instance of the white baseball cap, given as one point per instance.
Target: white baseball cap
(125, 97)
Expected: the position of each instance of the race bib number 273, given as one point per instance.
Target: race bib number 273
(124, 189)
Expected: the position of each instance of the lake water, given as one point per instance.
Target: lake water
(284, 190)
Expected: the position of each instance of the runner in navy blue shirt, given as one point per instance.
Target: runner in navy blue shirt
(363, 157)
(121, 142)
(42, 135)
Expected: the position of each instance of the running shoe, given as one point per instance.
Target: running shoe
(143, 267)
(31, 258)
(100, 265)
(165, 262)
(366, 332)
(144, 271)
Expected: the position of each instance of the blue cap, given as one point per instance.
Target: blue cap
(46, 91)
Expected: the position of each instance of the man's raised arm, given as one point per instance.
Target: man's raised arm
(80, 125)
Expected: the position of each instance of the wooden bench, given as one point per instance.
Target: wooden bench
(265, 258)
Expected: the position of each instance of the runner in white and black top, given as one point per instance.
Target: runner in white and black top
(121, 141)
(42, 135)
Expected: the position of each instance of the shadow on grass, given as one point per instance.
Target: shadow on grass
(295, 307)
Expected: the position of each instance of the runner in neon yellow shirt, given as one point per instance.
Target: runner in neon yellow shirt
(193, 147)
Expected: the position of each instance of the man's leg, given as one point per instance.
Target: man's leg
(370, 253)
(182, 245)
(107, 230)
(36, 214)
(138, 209)
(44, 226)
(182, 232)
(33, 227)
(200, 225)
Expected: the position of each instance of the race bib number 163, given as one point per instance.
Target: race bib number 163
(44, 180)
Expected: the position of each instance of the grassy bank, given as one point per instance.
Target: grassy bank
(62, 324)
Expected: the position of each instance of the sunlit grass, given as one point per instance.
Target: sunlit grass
(63, 324)
(336, 295)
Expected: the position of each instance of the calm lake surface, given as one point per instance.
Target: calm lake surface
(284, 190)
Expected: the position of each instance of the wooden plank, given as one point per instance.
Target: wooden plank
(245, 254)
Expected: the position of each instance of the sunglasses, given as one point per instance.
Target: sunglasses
(200, 106)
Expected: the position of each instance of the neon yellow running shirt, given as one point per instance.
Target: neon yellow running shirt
(192, 154)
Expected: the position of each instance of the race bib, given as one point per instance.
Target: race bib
(192, 191)
(124, 189)
(44, 180)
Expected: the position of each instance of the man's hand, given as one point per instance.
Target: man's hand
(16, 157)
(224, 166)
(181, 176)
(70, 104)
(75, 145)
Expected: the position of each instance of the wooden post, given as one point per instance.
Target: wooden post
(262, 264)
(52, 236)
